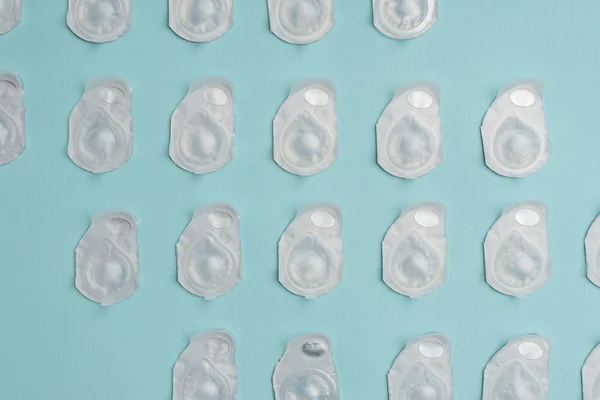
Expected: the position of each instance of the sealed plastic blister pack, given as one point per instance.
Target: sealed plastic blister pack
(305, 129)
(591, 375)
(301, 21)
(106, 259)
(200, 20)
(101, 126)
(12, 117)
(414, 251)
(209, 256)
(10, 14)
(404, 19)
(422, 370)
(409, 132)
(517, 256)
(306, 370)
(310, 251)
(592, 251)
(206, 369)
(99, 21)
(518, 371)
(203, 127)
(514, 132)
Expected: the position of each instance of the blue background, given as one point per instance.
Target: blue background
(56, 344)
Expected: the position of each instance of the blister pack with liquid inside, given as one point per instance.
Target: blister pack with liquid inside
(310, 251)
(12, 117)
(409, 132)
(518, 371)
(306, 370)
(10, 14)
(305, 129)
(514, 131)
(206, 369)
(404, 19)
(592, 253)
(422, 370)
(107, 260)
(301, 21)
(101, 126)
(200, 20)
(414, 251)
(203, 127)
(99, 21)
(591, 375)
(517, 255)
(209, 256)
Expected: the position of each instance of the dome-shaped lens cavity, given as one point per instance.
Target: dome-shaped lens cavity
(12, 117)
(99, 21)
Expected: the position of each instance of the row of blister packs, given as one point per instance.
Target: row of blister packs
(305, 128)
(422, 371)
(293, 21)
(310, 252)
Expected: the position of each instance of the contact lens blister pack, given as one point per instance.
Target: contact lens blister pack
(101, 126)
(107, 259)
(404, 19)
(305, 129)
(206, 369)
(200, 20)
(10, 14)
(12, 117)
(99, 21)
(209, 257)
(592, 251)
(306, 370)
(301, 21)
(310, 251)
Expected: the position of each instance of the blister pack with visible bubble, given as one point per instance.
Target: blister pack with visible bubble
(203, 127)
(12, 117)
(422, 370)
(306, 370)
(518, 371)
(514, 131)
(209, 255)
(107, 260)
(414, 251)
(517, 256)
(10, 14)
(305, 129)
(101, 126)
(301, 21)
(591, 375)
(404, 19)
(99, 21)
(206, 369)
(200, 20)
(409, 132)
(592, 253)
(310, 251)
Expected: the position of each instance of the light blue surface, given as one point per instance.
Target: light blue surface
(56, 344)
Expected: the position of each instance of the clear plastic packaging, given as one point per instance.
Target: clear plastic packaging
(200, 20)
(404, 19)
(592, 251)
(10, 14)
(12, 117)
(99, 21)
(301, 21)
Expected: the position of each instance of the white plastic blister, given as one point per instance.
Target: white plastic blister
(306, 370)
(517, 256)
(305, 129)
(101, 126)
(301, 21)
(514, 132)
(200, 20)
(12, 117)
(422, 371)
(404, 19)
(206, 369)
(591, 375)
(209, 256)
(203, 127)
(414, 251)
(592, 251)
(518, 371)
(409, 132)
(10, 14)
(107, 260)
(99, 21)
(310, 251)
